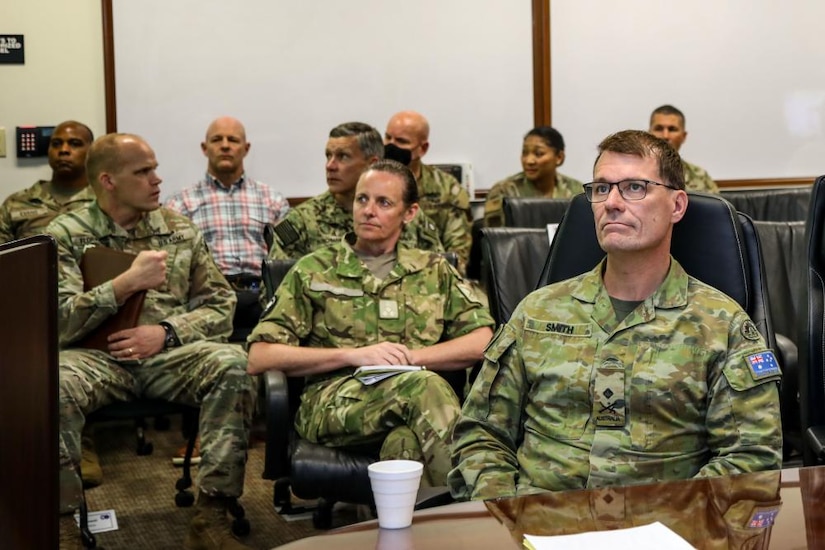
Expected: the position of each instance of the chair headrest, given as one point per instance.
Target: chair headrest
(533, 211)
(707, 242)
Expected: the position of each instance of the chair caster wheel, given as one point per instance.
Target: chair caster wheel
(184, 499)
(183, 484)
(322, 518)
(240, 527)
(281, 496)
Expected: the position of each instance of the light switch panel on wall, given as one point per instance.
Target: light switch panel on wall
(2, 142)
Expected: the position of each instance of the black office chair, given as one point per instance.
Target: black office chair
(533, 211)
(778, 205)
(785, 245)
(712, 242)
(512, 261)
(812, 327)
(309, 470)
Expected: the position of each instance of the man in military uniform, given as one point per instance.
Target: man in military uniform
(633, 372)
(668, 123)
(28, 212)
(366, 301)
(443, 199)
(175, 352)
(324, 219)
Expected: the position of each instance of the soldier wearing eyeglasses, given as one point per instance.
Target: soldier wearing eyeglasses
(633, 372)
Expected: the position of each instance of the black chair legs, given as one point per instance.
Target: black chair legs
(322, 516)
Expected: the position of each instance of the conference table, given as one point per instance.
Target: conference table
(767, 510)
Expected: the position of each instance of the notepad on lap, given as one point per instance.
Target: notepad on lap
(99, 265)
(373, 374)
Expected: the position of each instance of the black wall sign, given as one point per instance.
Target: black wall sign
(11, 49)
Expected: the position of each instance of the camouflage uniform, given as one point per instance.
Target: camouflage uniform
(720, 512)
(447, 203)
(197, 301)
(697, 179)
(331, 300)
(518, 186)
(29, 211)
(321, 221)
(670, 387)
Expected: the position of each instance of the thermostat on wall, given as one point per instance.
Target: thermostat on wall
(33, 141)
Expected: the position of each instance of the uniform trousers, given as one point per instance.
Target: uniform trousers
(412, 413)
(208, 375)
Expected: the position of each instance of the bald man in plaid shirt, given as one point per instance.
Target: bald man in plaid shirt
(230, 208)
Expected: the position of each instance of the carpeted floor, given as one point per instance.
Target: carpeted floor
(141, 490)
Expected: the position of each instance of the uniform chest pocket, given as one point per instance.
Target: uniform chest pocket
(668, 395)
(423, 318)
(343, 315)
(559, 371)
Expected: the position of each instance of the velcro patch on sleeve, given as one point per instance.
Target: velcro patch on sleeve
(286, 233)
(762, 365)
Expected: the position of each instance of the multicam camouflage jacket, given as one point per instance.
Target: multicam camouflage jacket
(29, 211)
(320, 221)
(569, 397)
(518, 186)
(330, 299)
(697, 179)
(196, 299)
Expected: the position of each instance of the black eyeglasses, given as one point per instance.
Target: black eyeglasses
(630, 190)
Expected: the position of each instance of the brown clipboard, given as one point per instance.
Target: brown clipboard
(99, 265)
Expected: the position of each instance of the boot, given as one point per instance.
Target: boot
(211, 528)
(90, 469)
(69, 534)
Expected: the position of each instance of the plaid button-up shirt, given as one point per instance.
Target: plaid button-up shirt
(232, 220)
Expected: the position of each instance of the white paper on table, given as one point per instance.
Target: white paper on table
(647, 537)
(551, 232)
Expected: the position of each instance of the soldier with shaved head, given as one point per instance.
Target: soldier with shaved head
(177, 351)
(442, 197)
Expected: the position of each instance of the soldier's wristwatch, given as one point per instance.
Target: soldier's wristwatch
(171, 339)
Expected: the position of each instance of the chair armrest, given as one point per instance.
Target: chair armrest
(430, 497)
(278, 425)
(815, 439)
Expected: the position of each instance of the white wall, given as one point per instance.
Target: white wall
(292, 70)
(61, 79)
(748, 74)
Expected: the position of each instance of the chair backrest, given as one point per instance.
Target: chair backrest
(533, 211)
(712, 242)
(772, 204)
(784, 244)
(512, 259)
(812, 321)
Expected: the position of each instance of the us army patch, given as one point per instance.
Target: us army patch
(286, 233)
(749, 330)
(762, 365)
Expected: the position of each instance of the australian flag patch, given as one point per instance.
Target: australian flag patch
(763, 365)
